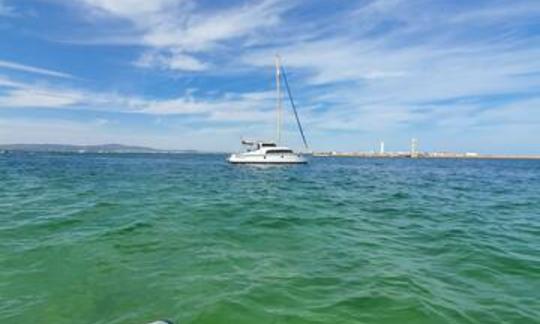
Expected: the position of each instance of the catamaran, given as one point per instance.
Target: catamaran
(272, 152)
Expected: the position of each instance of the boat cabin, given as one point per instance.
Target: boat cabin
(267, 148)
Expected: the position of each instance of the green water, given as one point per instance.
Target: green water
(135, 238)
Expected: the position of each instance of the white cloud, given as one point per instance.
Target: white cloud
(132, 9)
(171, 61)
(174, 31)
(231, 107)
(33, 69)
(38, 98)
(200, 31)
(497, 13)
(16, 94)
(8, 83)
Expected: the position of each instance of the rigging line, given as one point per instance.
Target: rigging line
(294, 107)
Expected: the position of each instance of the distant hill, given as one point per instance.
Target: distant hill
(106, 148)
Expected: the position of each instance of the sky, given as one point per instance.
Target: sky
(459, 75)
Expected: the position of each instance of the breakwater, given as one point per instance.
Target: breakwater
(429, 155)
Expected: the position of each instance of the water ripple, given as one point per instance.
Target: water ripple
(131, 238)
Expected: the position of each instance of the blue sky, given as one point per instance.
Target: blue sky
(181, 74)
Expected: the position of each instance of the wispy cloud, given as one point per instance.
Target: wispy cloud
(377, 78)
(230, 107)
(41, 98)
(6, 10)
(33, 69)
(359, 70)
(500, 12)
(175, 31)
(173, 60)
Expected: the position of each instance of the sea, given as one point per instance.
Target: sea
(133, 238)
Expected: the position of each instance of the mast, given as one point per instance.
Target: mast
(278, 103)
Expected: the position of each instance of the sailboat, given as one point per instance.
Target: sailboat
(272, 152)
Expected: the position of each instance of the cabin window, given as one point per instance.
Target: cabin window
(278, 151)
(268, 145)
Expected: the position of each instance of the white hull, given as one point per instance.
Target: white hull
(249, 158)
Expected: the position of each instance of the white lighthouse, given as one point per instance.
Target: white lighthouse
(414, 148)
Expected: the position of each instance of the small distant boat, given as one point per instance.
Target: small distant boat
(272, 152)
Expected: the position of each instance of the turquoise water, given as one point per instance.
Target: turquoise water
(134, 238)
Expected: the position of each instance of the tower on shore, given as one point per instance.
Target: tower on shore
(414, 148)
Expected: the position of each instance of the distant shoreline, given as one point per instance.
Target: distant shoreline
(430, 155)
(104, 149)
